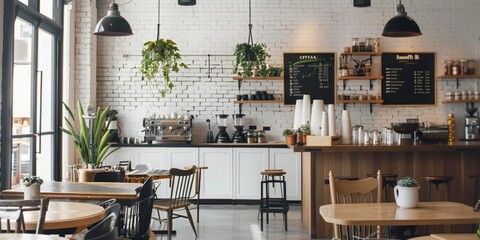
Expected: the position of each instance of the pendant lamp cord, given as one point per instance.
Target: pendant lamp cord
(250, 37)
(158, 21)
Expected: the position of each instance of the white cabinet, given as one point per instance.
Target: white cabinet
(217, 180)
(248, 164)
(122, 154)
(290, 162)
(155, 157)
(181, 157)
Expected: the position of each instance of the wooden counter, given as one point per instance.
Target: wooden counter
(460, 160)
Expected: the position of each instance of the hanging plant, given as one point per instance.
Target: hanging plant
(159, 58)
(250, 57)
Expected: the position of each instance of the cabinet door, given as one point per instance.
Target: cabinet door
(290, 162)
(248, 163)
(181, 157)
(122, 154)
(155, 158)
(217, 180)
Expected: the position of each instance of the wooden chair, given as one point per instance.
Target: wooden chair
(180, 193)
(198, 184)
(110, 176)
(12, 211)
(368, 190)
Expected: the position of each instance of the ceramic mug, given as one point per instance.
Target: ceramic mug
(406, 197)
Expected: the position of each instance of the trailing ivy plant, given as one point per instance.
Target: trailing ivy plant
(250, 57)
(159, 58)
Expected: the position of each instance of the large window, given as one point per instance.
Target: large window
(33, 103)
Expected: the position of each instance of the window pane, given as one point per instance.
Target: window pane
(22, 78)
(46, 8)
(45, 158)
(45, 80)
(21, 164)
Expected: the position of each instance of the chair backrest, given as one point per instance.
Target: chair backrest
(368, 190)
(181, 186)
(137, 219)
(110, 176)
(146, 190)
(126, 165)
(104, 230)
(12, 211)
(107, 203)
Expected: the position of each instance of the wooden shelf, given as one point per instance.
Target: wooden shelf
(362, 53)
(361, 78)
(462, 101)
(240, 78)
(360, 101)
(458, 76)
(258, 101)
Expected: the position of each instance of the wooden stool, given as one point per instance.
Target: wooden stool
(389, 179)
(273, 205)
(437, 180)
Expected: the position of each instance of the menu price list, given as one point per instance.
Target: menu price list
(408, 78)
(309, 73)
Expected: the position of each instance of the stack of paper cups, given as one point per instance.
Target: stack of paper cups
(297, 121)
(306, 109)
(346, 127)
(324, 129)
(316, 122)
(331, 120)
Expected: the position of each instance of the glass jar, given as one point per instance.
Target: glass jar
(361, 47)
(368, 45)
(355, 45)
(251, 137)
(261, 138)
(376, 45)
(455, 68)
(463, 66)
(448, 67)
(471, 65)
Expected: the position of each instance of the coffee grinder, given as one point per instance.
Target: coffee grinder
(222, 135)
(239, 136)
(472, 125)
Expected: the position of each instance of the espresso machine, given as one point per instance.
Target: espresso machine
(160, 130)
(239, 135)
(222, 135)
(472, 124)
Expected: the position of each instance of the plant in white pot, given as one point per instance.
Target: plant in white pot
(32, 187)
(406, 192)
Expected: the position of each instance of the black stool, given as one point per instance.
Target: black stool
(437, 180)
(273, 205)
(476, 178)
(388, 179)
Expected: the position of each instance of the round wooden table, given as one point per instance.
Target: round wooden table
(25, 236)
(67, 215)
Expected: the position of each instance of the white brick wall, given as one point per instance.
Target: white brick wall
(216, 26)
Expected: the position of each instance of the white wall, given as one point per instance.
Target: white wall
(1, 54)
(216, 26)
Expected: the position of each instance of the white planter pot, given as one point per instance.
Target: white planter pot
(406, 197)
(32, 192)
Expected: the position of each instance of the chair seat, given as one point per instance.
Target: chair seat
(273, 173)
(164, 204)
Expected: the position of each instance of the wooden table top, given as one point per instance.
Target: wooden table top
(66, 215)
(81, 191)
(388, 214)
(26, 236)
(448, 236)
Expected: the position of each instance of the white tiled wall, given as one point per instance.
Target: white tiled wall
(215, 26)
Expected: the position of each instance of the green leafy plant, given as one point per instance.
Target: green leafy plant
(275, 71)
(305, 128)
(250, 57)
(288, 132)
(28, 181)
(92, 142)
(407, 182)
(159, 58)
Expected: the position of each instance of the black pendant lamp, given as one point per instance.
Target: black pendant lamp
(249, 56)
(401, 25)
(187, 2)
(113, 24)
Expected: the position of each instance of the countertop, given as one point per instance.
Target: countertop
(456, 146)
(210, 145)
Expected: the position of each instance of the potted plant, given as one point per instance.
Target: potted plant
(91, 142)
(159, 59)
(275, 71)
(249, 58)
(306, 130)
(289, 135)
(406, 192)
(32, 187)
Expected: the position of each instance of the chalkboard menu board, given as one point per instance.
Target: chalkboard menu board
(309, 73)
(408, 78)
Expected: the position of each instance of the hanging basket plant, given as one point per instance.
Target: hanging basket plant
(250, 57)
(160, 58)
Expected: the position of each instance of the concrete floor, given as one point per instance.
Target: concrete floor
(237, 222)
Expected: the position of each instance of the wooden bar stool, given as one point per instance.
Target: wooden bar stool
(388, 179)
(269, 204)
(437, 180)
